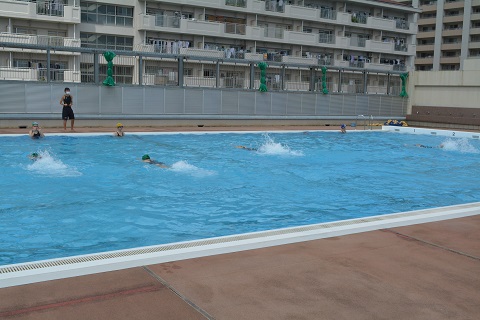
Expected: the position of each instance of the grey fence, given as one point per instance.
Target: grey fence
(154, 102)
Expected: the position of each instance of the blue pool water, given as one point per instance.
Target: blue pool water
(92, 193)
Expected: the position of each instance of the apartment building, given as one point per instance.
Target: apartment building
(352, 35)
(448, 33)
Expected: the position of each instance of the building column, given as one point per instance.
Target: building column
(388, 84)
(312, 79)
(340, 73)
(48, 66)
(140, 70)
(365, 79)
(467, 11)
(180, 72)
(217, 74)
(282, 78)
(438, 36)
(252, 76)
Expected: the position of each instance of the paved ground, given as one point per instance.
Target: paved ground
(427, 271)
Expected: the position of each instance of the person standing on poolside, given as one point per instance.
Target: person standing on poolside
(36, 132)
(67, 113)
(119, 132)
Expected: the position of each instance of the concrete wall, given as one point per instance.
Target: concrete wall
(446, 96)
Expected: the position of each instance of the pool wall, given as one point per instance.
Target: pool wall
(436, 132)
(25, 273)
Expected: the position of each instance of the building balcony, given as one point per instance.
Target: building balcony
(301, 38)
(39, 74)
(454, 5)
(50, 41)
(474, 45)
(449, 60)
(299, 60)
(451, 32)
(426, 21)
(378, 66)
(425, 34)
(451, 46)
(457, 18)
(474, 31)
(424, 61)
(40, 10)
(429, 8)
(379, 46)
(475, 16)
(425, 47)
(380, 23)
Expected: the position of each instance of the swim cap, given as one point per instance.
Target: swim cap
(34, 155)
(119, 125)
(342, 126)
(34, 123)
(145, 157)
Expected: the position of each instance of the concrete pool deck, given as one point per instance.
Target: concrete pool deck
(423, 271)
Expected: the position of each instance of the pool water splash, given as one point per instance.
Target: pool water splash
(187, 168)
(270, 147)
(48, 164)
(460, 145)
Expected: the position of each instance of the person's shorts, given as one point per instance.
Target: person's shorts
(67, 113)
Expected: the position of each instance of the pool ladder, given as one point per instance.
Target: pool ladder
(367, 121)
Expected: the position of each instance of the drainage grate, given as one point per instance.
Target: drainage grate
(226, 239)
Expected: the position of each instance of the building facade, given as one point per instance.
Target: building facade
(353, 36)
(448, 33)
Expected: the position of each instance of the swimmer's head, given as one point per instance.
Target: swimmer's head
(119, 125)
(34, 155)
(343, 126)
(146, 157)
(34, 124)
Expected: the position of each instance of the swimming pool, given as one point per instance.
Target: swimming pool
(92, 193)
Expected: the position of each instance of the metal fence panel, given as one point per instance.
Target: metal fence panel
(38, 99)
(294, 104)
(175, 101)
(322, 104)
(398, 106)
(85, 99)
(279, 104)
(194, 102)
(335, 106)
(132, 100)
(361, 105)
(308, 104)
(349, 105)
(374, 105)
(263, 103)
(12, 97)
(246, 100)
(212, 101)
(230, 102)
(154, 100)
(111, 100)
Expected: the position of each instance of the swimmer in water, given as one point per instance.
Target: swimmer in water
(119, 132)
(246, 148)
(429, 147)
(34, 156)
(36, 132)
(146, 159)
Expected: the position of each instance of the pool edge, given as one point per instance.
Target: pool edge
(39, 271)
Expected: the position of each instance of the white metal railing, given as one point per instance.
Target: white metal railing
(235, 28)
(273, 32)
(43, 40)
(167, 21)
(236, 3)
(274, 6)
(50, 8)
(326, 38)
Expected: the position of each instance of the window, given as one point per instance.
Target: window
(121, 74)
(209, 73)
(107, 14)
(101, 41)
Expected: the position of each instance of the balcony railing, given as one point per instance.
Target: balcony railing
(50, 8)
(328, 14)
(359, 18)
(273, 32)
(357, 42)
(235, 28)
(357, 64)
(167, 21)
(401, 47)
(401, 24)
(52, 41)
(236, 3)
(274, 6)
(326, 38)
